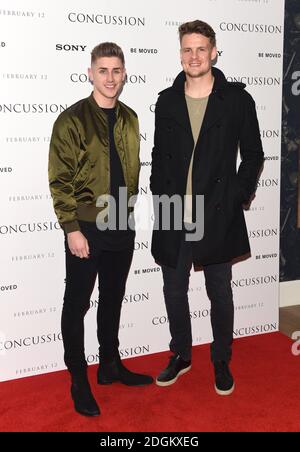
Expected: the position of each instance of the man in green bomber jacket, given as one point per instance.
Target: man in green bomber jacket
(94, 152)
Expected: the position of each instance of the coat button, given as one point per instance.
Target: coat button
(218, 206)
(217, 180)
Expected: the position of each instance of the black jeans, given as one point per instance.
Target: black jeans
(218, 287)
(112, 268)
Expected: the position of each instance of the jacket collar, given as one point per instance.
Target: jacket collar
(96, 107)
(215, 108)
(220, 82)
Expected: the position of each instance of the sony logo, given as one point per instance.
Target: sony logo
(71, 47)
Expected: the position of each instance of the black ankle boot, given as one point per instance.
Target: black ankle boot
(84, 402)
(114, 371)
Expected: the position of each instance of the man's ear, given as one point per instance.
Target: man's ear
(90, 74)
(180, 57)
(214, 53)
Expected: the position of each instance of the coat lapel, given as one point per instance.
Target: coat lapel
(215, 110)
(180, 114)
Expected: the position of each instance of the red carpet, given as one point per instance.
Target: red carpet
(266, 398)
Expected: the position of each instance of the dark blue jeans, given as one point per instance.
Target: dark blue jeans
(218, 287)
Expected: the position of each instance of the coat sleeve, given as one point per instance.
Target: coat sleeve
(251, 151)
(156, 155)
(62, 170)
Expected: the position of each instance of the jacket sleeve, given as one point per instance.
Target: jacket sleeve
(251, 151)
(62, 170)
(156, 156)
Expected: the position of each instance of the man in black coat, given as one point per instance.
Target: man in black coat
(200, 122)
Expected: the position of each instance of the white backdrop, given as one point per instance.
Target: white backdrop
(44, 54)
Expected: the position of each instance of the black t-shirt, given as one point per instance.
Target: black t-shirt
(113, 239)
(116, 171)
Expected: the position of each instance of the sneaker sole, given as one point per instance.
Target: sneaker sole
(224, 393)
(170, 382)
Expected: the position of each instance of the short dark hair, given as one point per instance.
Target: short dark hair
(198, 26)
(107, 49)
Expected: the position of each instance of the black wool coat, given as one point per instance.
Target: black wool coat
(230, 123)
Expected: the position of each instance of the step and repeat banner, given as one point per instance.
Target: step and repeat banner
(44, 55)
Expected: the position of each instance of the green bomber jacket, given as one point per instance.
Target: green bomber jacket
(79, 163)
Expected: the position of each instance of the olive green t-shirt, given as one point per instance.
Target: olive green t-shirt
(196, 109)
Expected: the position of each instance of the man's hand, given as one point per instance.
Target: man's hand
(78, 244)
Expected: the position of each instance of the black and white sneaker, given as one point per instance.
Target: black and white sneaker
(176, 367)
(224, 384)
